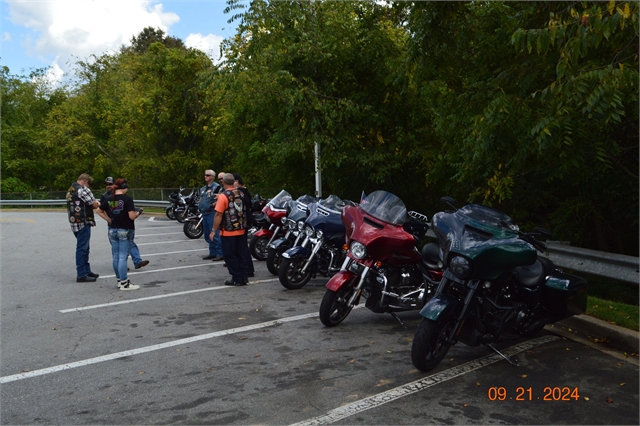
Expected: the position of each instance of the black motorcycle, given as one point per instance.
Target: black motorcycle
(322, 250)
(176, 199)
(190, 207)
(293, 224)
(494, 288)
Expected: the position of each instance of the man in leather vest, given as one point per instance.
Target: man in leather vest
(208, 196)
(80, 206)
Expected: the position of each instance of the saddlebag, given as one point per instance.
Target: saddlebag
(566, 294)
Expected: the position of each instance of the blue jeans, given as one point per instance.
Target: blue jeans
(135, 251)
(215, 245)
(235, 257)
(82, 251)
(120, 240)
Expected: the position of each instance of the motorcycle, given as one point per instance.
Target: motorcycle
(175, 199)
(292, 224)
(274, 211)
(322, 249)
(192, 227)
(495, 286)
(259, 218)
(190, 207)
(383, 263)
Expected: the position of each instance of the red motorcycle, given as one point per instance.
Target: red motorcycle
(275, 211)
(383, 262)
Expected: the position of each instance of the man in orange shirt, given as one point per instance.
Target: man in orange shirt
(232, 224)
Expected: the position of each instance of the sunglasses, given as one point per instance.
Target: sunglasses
(208, 175)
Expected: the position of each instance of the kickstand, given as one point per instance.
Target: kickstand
(393, 314)
(510, 360)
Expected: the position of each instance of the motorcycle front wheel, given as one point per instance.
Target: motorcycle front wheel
(334, 307)
(291, 275)
(193, 229)
(170, 213)
(258, 246)
(429, 344)
(274, 258)
(181, 215)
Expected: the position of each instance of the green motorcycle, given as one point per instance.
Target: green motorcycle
(495, 286)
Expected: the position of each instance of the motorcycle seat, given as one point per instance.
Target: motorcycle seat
(534, 275)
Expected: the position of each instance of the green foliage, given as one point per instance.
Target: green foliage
(531, 107)
(13, 184)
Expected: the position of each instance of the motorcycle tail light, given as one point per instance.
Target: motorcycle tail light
(460, 266)
(358, 250)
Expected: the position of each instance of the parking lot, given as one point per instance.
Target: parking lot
(185, 349)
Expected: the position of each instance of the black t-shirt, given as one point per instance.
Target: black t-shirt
(105, 198)
(118, 209)
(246, 206)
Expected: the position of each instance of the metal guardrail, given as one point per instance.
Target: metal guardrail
(611, 265)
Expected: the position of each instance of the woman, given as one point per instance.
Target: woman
(122, 229)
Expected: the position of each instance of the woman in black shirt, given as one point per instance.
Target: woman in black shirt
(122, 229)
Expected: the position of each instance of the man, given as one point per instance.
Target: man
(208, 196)
(248, 218)
(107, 216)
(80, 206)
(229, 219)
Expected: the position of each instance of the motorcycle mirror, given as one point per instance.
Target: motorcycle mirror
(449, 201)
(542, 232)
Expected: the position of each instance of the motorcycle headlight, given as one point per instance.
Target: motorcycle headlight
(309, 231)
(460, 266)
(284, 221)
(319, 234)
(300, 225)
(358, 250)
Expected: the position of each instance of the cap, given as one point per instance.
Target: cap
(109, 180)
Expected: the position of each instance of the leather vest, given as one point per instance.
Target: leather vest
(79, 211)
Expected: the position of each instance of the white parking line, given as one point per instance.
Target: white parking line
(142, 299)
(168, 242)
(175, 252)
(419, 385)
(110, 357)
(166, 269)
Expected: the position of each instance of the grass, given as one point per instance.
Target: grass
(613, 312)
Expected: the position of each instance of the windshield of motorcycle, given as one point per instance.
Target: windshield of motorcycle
(303, 202)
(332, 203)
(384, 206)
(486, 218)
(280, 201)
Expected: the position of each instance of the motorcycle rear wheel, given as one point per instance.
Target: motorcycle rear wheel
(258, 246)
(193, 229)
(170, 213)
(274, 258)
(334, 308)
(291, 275)
(429, 343)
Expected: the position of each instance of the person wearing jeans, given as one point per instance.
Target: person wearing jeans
(121, 215)
(80, 206)
(208, 196)
(135, 251)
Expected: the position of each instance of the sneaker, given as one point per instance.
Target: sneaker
(126, 285)
(142, 263)
(118, 285)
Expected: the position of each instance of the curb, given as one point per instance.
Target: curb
(618, 337)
